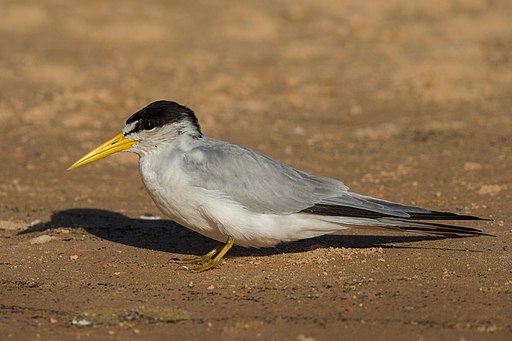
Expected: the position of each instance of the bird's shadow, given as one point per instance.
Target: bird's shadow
(167, 236)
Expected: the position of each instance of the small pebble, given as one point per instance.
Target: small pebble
(41, 239)
(80, 321)
(299, 131)
(35, 222)
(149, 216)
(131, 315)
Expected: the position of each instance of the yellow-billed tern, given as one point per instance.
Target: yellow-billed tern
(235, 195)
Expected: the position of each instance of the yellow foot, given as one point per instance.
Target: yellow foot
(206, 258)
(207, 266)
(211, 259)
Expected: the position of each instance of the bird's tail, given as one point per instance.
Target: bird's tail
(413, 219)
(431, 228)
(354, 209)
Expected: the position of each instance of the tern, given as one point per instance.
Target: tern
(236, 195)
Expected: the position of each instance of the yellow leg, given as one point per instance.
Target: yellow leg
(217, 255)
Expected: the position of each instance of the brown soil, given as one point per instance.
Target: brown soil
(409, 101)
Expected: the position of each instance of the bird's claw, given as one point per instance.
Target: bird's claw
(210, 260)
(207, 266)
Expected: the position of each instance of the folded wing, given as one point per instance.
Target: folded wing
(264, 185)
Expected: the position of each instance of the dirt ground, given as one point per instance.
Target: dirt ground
(408, 101)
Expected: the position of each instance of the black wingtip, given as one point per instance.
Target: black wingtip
(441, 229)
(348, 211)
(439, 215)
(416, 222)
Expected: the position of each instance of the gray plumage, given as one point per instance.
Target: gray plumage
(267, 186)
(264, 185)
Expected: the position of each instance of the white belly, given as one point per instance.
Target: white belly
(216, 216)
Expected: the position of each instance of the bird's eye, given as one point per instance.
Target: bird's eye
(148, 125)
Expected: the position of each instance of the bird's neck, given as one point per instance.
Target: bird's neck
(187, 141)
(187, 129)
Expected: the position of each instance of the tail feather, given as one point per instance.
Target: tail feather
(437, 215)
(431, 228)
(367, 217)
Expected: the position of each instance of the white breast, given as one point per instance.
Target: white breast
(211, 213)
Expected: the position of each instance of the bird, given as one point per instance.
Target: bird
(236, 195)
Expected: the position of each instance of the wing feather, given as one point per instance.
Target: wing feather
(264, 185)
(256, 181)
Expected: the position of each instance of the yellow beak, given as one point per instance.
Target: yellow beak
(114, 145)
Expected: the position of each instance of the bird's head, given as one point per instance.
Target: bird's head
(148, 129)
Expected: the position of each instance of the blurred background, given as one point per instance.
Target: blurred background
(405, 100)
(366, 91)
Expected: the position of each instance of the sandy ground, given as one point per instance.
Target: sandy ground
(409, 101)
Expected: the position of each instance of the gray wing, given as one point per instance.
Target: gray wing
(264, 185)
(256, 181)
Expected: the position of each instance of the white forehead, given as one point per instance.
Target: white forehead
(129, 127)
